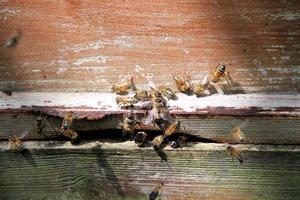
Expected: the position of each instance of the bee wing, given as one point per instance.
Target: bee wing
(23, 134)
(143, 105)
(151, 85)
(150, 117)
(218, 88)
(204, 79)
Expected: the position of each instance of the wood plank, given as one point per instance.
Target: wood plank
(239, 104)
(265, 119)
(258, 130)
(56, 170)
(85, 46)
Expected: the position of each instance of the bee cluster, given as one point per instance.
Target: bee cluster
(154, 101)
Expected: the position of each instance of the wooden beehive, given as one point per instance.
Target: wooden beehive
(69, 55)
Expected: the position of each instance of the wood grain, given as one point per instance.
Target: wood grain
(120, 171)
(86, 46)
(258, 130)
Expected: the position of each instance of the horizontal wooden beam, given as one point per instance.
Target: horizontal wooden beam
(102, 170)
(101, 104)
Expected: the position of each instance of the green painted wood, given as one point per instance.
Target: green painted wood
(51, 170)
(258, 130)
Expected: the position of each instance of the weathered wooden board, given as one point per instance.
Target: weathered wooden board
(258, 130)
(121, 171)
(57, 103)
(87, 45)
(265, 119)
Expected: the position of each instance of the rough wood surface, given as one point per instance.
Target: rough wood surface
(121, 171)
(239, 104)
(258, 130)
(87, 45)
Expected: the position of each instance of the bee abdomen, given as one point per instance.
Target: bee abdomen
(153, 195)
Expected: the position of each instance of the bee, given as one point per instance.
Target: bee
(67, 121)
(123, 86)
(140, 138)
(218, 75)
(238, 135)
(128, 126)
(156, 192)
(69, 133)
(173, 128)
(157, 142)
(167, 92)
(199, 90)
(66, 126)
(13, 40)
(126, 102)
(159, 112)
(141, 95)
(183, 84)
(235, 154)
(39, 125)
(15, 142)
(179, 143)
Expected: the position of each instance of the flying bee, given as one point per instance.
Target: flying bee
(180, 142)
(173, 128)
(140, 138)
(126, 102)
(235, 153)
(156, 192)
(183, 84)
(13, 40)
(123, 86)
(238, 135)
(141, 95)
(68, 121)
(69, 133)
(157, 142)
(15, 142)
(167, 92)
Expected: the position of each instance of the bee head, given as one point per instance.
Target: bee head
(222, 68)
(229, 148)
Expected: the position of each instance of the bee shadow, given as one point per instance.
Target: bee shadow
(26, 154)
(109, 172)
(234, 87)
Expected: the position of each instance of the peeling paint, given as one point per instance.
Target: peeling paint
(287, 15)
(9, 11)
(95, 59)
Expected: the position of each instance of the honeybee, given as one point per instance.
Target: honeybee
(69, 133)
(13, 40)
(39, 125)
(66, 126)
(123, 86)
(238, 135)
(159, 112)
(179, 143)
(15, 142)
(157, 142)
(156, 192)
(183, 84)
(218, 75)
(128, 126)
(141, 95)
(68, 121)
(235, 154)
(173, 128)
(167, 92)
(126, 102)
(140, 138)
